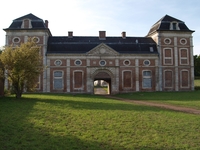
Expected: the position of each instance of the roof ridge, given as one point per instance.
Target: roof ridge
(30, 16)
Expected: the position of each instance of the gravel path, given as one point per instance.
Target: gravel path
(154, 104)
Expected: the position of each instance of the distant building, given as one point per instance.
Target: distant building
(160, 61)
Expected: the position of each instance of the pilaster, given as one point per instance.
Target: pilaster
(137, 75)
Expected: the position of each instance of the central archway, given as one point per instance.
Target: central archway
(104, 79)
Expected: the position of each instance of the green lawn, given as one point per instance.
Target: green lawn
(91, 122)
(186, 99)
(197, 83)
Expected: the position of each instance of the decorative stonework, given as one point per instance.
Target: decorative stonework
(103, 49)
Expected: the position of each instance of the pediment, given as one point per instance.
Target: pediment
(102, 49)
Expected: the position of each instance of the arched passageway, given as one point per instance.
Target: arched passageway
(102, 83)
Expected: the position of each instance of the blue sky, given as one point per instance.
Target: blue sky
(88, 17)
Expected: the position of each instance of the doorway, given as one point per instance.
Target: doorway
(102, 83)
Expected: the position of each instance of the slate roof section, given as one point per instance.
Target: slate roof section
(82, 45)
(164, 25)
(36, 23)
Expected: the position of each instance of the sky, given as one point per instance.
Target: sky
(88, 17)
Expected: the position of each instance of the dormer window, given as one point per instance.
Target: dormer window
(26, 24)
(174, 26)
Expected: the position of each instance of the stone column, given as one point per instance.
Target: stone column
(137, 83)
(176, 64)
(48, 75)
(192, 63)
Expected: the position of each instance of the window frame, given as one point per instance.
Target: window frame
(146, 77)
(170, 58)
(183, 58)
(55, 77)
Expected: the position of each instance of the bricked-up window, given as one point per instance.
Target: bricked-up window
(78, 79)
(127, 79)
(168, 79)
(58, 80)
(184, 78)
(147, 79)
(26, 23)
(167, 55)
(184, 56)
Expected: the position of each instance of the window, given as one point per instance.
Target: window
(78, 62)
(16, 40)
(151, 49)
(168, 78)
(174, 26)
(26, 24)
(127, 79)
(102, 63)
(168, 56)
(167, 41)
(58, 62)
(126, 62)
(184, 79)
(58, 80)
(183, 41)
(184, 56)
(146, 83)
(78, 79)
(146, 62)
(35, 39)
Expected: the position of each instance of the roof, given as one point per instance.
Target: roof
(36, 23)
(164, 25)
(83, 44)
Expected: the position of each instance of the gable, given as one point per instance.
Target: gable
(102, 49)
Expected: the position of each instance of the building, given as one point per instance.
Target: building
(160, 61)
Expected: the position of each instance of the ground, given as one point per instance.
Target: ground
(101, 91)
(165, 106)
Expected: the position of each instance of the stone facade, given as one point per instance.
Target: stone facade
(161, 61)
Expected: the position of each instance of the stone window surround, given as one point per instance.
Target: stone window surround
(58, 78)
(185, 58)
(123, 79)
(146, 77)
(167, 57)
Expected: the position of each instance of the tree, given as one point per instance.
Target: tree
(197, 65)
(22, 65)
(1, 77)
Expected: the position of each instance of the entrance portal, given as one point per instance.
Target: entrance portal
(102, 83)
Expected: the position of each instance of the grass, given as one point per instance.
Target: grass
(186, 99)
(92, 122)
(197, 83)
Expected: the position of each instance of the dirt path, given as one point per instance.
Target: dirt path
(100, 91)
(154, 104)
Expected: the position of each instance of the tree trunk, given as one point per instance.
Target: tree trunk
(18, 94)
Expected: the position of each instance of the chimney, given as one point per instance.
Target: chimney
(46, 23)
(124, 35)
(102, 35)
(70, 34)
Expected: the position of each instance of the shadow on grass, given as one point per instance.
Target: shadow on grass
(95, 103)
(18, 133)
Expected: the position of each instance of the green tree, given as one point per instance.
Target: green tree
(197, 65)
(23, 64)
(1, 77)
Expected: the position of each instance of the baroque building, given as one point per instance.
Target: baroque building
(160, 61)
